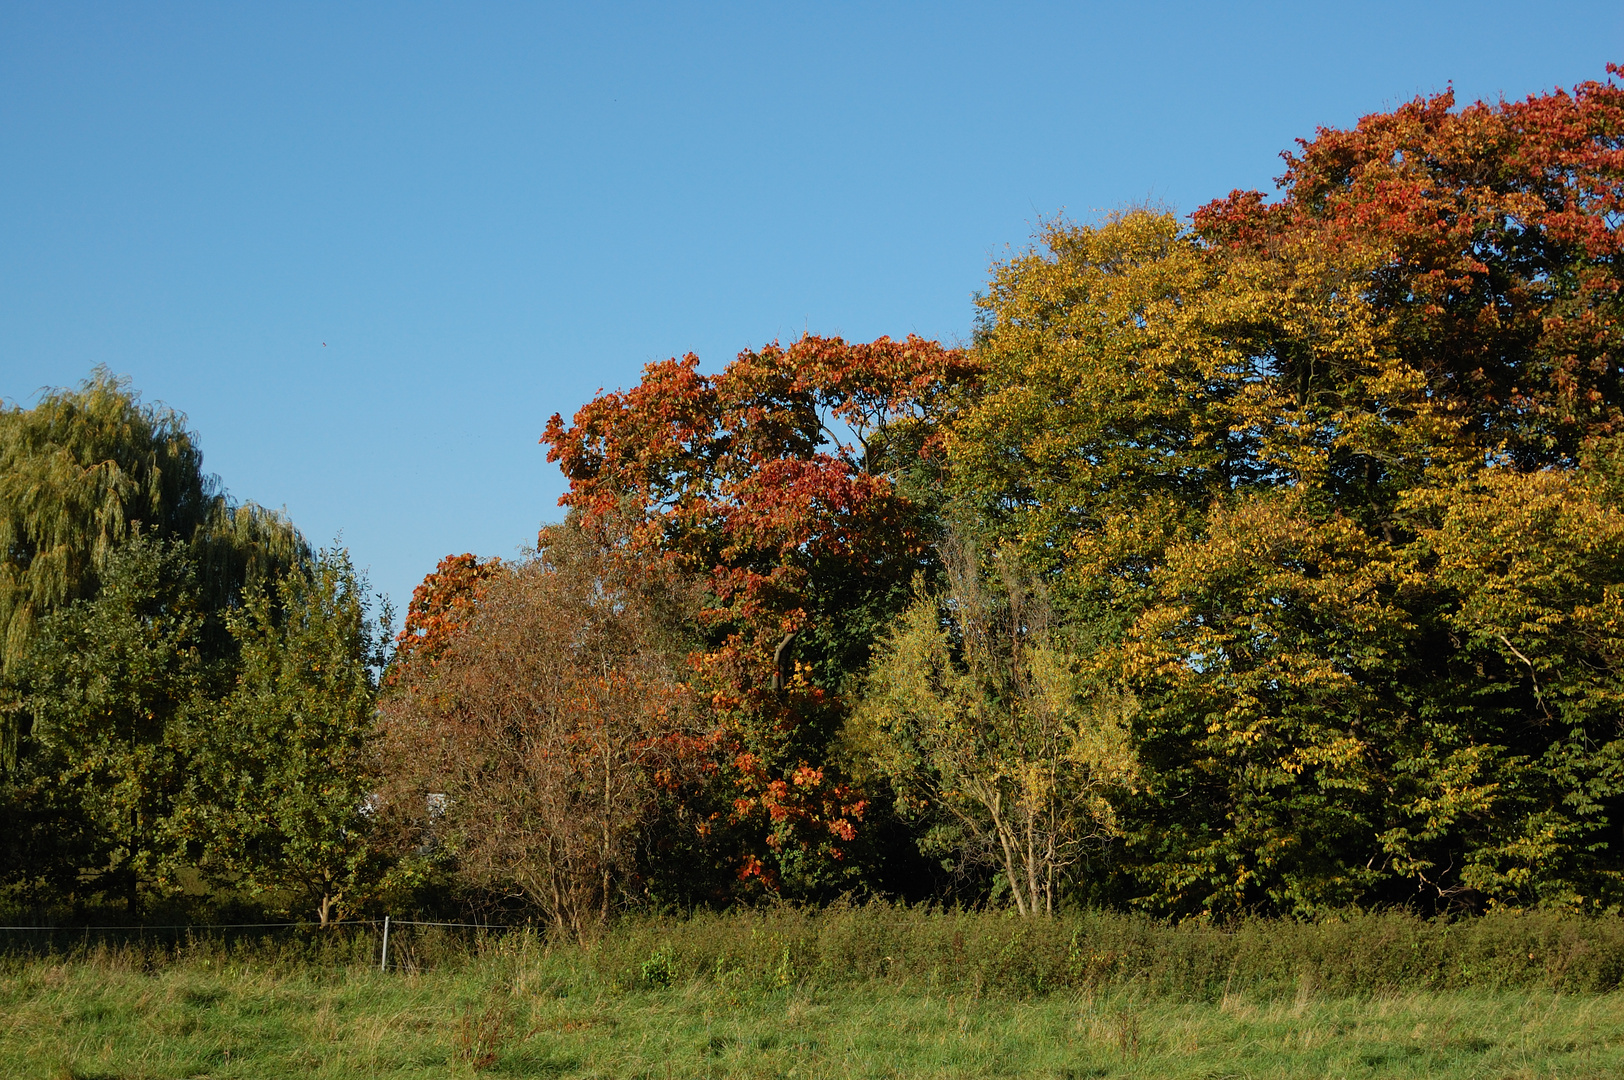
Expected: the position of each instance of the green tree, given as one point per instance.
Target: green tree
(1532, 566)
(82, 473)
(116, 687)
(1269, 661)
(278, 803)
(973, 710)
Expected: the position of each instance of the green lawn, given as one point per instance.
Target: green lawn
(219, 1017)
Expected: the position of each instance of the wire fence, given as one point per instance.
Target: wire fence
(388, 943)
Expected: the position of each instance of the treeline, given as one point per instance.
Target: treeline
(1270, 562)
(188, 690)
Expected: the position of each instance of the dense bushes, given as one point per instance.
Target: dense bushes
(1356, 954)
(988, 952)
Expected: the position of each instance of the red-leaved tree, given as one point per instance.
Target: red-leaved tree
(1498, 255)
(440, 609)
(795, 483)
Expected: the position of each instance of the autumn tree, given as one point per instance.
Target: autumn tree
(1294, 475)
(797, 483)
(441, 606)
(1490, 241)
(973, 708)
(1533, 568)
(547, 725)
(1480, 246)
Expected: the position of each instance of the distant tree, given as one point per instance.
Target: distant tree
(440, 608)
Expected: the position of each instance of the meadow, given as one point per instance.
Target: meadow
(858, 992)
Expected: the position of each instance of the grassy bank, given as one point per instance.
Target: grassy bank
(849, 992)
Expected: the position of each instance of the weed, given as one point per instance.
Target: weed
(877, 990)
(480, 1035)
(658, 970)
(1125, 1030)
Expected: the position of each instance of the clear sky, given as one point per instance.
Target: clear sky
(369, 248)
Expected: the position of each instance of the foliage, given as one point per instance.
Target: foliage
(1265, 664)
(792, 483)
(441, 607)
(118, 688)
(1534, 565)
(1327, 485)
(1300, 589)
(86, 470)
(1108, 416)
(544, 727)
(971, 708)
(1495, 231)
(280, 782)
(81, 473)
(120, 561)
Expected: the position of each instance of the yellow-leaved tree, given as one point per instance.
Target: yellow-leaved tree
(974, 710)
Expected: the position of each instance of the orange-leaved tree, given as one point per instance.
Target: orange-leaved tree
(1499, 258)
(440, 608)
(797, 482)
(531, 754)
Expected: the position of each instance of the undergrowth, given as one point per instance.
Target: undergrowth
(845, 991)
(979, 951)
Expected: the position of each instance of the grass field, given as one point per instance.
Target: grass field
(648, 1002)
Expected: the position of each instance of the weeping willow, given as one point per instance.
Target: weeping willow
(85, 470)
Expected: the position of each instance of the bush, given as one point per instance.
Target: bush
(1360, 954)
(982, 952)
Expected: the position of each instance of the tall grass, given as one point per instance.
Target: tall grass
(978, 951)
(846, 991)
(1358, 954)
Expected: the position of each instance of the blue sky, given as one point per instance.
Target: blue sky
(488, 211)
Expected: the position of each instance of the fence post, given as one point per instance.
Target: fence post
(383, 964)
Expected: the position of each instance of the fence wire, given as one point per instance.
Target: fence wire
(410, 945)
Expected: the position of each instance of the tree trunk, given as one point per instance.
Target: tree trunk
(1008, 843)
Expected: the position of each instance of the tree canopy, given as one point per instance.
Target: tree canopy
(1265, 560)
